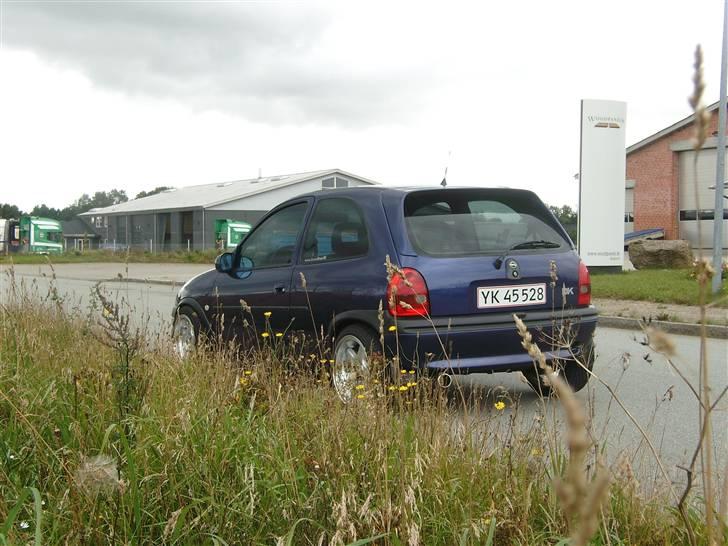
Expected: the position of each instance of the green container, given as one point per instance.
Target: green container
(41, 235)
(228, 233)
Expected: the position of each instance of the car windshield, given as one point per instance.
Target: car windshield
(480, 221)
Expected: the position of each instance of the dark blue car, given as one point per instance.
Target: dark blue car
(463, 262)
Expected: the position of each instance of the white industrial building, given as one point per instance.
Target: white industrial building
(184, 218)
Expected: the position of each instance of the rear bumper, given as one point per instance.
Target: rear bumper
(489, 343)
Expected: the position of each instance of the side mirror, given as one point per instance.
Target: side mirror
(224, 262)
(245, 269)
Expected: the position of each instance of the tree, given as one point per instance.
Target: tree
(568, 218)
(158, 189)
(46, 212)
(10, 211)
(100, 199)
(84, 203)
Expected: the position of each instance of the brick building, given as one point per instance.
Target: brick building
(662, 179)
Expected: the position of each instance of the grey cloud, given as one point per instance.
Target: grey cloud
(260, 61)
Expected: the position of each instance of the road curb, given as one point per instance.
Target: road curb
(146, 281)
(681, 328)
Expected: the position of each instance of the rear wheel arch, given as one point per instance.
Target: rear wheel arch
(367, 319)
(358, 357)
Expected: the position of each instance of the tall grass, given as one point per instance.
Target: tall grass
(224, 449)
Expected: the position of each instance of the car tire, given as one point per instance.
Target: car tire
(355, 349)
(185, 332)
(572, 371)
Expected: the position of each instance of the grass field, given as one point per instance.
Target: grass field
(105, 439)
(657, 285)
(136, 256)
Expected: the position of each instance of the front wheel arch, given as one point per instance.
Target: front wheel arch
(185, 341)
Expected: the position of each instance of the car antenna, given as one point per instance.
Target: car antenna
(444, 178)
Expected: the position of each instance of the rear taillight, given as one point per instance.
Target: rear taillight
(584, 285)
(407, 295)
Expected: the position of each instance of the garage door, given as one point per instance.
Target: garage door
(698, 208)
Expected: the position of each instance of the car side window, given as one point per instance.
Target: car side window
(273, 243)
(337, 231)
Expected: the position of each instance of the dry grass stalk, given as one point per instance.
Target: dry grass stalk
(702, 116)
(580, 500)
(660, 341)
(703, 274)
(99, 474)
(591, 508)
(723, 508)
(625, 474)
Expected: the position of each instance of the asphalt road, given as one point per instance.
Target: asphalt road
(654, 394)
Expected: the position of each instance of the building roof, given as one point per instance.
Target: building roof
(667, 130)
(77, 226)
(210, 195)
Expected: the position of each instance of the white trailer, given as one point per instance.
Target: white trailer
(4, 236)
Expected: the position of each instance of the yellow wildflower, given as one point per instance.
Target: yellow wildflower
(392, 328)
(411, 372)
(403, 388)
(361, 396)
(279, 334)
(360, 387)
(403, 372)
(265, 334)
(248, 372)
(392, 387)
(500, 406)
(267, 314)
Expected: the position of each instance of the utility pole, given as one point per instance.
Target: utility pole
(720, 162)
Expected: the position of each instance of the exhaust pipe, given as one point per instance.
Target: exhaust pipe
(444, 380)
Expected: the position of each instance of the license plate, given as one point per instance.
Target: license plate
(509, 296)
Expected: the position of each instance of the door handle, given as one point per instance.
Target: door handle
(279, 288)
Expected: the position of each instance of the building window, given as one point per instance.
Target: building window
(334, 182)
(628, 217)
(704, 214)
(98, 221)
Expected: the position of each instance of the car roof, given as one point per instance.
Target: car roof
(403, 189)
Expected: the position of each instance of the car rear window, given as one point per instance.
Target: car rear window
(455, 222)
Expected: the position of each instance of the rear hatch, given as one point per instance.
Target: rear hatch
(485, 251)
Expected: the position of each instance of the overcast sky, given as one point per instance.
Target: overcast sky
(133, 95)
